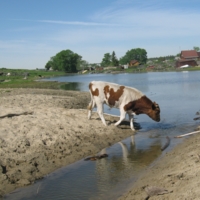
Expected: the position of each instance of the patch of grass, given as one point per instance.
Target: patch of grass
(28, 79)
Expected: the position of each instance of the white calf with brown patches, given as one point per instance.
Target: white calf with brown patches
(128, 100)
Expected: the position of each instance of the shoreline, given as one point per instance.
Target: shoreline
(48, 137)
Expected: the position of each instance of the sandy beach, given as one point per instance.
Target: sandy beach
(43, 130)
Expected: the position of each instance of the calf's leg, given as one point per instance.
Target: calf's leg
(100, 112)
(131, 119)
(122, 116)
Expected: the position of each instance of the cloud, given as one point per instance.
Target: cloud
(74, 23)
(77, 23)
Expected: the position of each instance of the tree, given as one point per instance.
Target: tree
(106, 61)
(65, 60)
(161, 59)
(49, 65)
(134, 54)
(83, 64)
(114, 59)
(196, 48)
(109, 60)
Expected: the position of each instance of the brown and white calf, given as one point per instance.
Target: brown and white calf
(128, 100)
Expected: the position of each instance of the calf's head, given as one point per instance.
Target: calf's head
(154, 112)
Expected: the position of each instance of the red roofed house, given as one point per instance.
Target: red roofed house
(190, 54)
(188, 57)
(133, 63)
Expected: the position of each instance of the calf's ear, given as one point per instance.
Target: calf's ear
(155, 106)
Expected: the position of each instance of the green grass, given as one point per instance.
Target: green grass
(16, 79)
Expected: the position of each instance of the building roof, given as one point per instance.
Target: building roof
(132, 62)
(189, 54)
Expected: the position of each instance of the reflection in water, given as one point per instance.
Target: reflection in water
(72, 86)
(125, 153)
(123, 165)
(133, 157)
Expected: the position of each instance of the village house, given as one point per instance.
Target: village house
(188, 57)
(133, 63)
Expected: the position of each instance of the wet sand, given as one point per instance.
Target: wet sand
(50, 129)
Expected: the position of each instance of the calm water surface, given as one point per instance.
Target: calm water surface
(178, 95)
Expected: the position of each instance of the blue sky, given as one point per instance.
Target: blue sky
(32, 31)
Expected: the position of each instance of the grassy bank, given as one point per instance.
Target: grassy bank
(16, 78)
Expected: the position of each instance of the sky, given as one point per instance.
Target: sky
(32, 31)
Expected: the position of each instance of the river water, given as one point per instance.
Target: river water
(178, 95)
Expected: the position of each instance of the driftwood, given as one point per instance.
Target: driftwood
(61, 97)
(106, 114)
(166, 144)
(196, 118)
(179, 136)
(93, 158)
(16, 114)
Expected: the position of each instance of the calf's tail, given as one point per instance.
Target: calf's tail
(89, 107)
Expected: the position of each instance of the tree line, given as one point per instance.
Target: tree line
(133, 54)
(68, 61)
(71, 62)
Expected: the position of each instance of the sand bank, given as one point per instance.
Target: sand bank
(49, 129)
